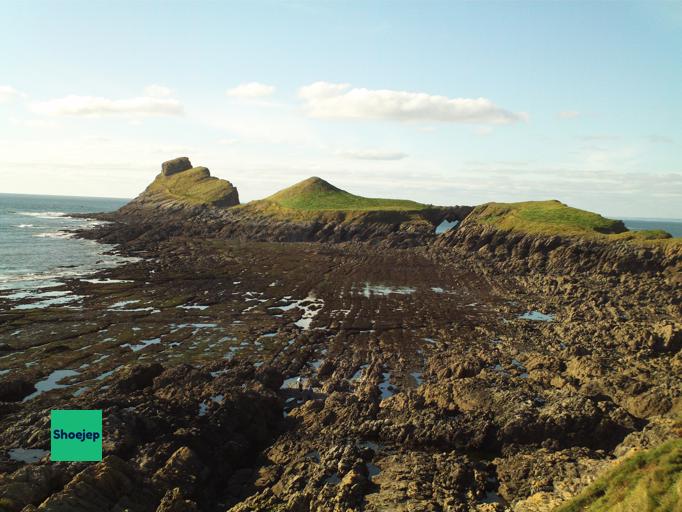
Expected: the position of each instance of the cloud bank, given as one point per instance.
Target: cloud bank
(8, 93)
(158, 91)
(340, 101)
(92, 106)
(251, 90)
(371, 154)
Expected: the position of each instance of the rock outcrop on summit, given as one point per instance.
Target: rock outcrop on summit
(175, 166)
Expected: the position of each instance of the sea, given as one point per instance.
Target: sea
(37, 250)
(672, 226)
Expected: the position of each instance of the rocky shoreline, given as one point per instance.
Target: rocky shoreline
(473, 370)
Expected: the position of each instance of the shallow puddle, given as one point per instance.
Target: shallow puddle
(384, 290)
(28, 455)
(142, 344)
(385, 386)
(373, 470)
(537, 316)
(51, 382)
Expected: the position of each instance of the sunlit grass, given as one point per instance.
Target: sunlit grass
(650, 481)
(194, 186)
(315, 194)
(555, 218)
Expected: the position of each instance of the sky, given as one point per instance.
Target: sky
(442, 102)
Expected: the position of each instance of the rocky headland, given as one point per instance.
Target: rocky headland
(526, 359)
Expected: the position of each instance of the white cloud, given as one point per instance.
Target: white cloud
(569, 114)
(371, 154)
(328, 100)
(251, 90)
(274, 126)
(8, 93)
(33, 123)
(320, 90)
(227, 142)
(96, 139)
(171, 150)
(158, 91)
(91, 106)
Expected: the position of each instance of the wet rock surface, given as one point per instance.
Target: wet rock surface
(245, 375)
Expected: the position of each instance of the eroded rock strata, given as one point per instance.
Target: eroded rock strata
(475, 370)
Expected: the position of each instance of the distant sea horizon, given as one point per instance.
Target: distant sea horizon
(613, 217)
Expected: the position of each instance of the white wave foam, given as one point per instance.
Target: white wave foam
(25, 226)
(54, 234)
(43, 215)
(38, 276)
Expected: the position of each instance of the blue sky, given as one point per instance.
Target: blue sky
(444, 102)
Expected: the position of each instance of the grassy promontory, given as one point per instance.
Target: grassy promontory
(194, 186)
(316, 194)
(555, 218)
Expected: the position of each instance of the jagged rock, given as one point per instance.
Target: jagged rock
(669, 337)
(183, 470)
(269, 377)
(174, 501)
(561, 473)
(139, 376)
(108, 485)
(352, 487)
(654, 402)
(30, 485)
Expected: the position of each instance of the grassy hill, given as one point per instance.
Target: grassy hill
(650, 481)
(193, 186)
(545, 217)
(315, 194)
(555, 218)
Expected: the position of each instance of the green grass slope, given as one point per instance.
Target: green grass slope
(555, 218)
(650, 481)
(545, 217)
(315, 194)
(194, 186)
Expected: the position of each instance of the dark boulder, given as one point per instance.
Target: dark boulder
(15, 390)
(175, 166)
(139, 376)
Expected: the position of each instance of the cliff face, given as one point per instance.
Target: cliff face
(139, 223)
(523, 252)
(387, 228)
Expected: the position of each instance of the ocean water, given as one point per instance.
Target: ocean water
(672, 226)
(35, 249)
